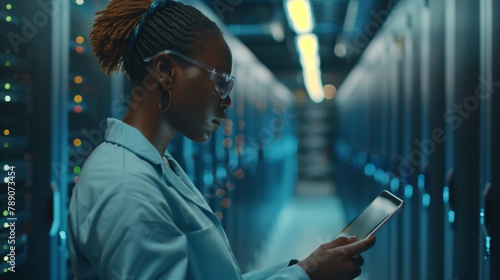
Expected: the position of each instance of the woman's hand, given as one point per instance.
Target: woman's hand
(338, 259)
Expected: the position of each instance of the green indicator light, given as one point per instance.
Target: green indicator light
(77, 169)
(7, 86)
(8, 6)
(8, 18)
(6, 144)
(5, 270)
(7, 63)
(5, 212)
(5, 247)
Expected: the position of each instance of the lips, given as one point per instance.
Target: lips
(217, 123)
(219, 120)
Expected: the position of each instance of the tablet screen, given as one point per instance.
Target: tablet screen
(374, 216)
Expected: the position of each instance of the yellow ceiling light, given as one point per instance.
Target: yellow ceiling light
(307, 43)
(300, 16)
(313, 84)
(307, 46)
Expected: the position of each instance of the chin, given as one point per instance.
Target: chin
(200, 138)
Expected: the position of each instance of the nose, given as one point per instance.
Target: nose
(225, 103)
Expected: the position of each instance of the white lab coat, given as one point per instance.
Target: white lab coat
(131, 216)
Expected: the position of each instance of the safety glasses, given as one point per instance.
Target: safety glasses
(223, 82)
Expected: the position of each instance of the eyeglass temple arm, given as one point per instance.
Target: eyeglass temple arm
(197, 63)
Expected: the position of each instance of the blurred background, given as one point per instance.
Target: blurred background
(335, 101)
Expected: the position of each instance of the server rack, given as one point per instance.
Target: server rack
(492, 244)
(438, 60)
(16, 109)
(81, 101)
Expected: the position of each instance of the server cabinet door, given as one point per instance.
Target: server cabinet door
(464, 117)
(81, 102)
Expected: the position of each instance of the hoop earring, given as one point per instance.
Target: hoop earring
(161, 99)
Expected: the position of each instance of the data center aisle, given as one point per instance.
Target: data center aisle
(314, 216)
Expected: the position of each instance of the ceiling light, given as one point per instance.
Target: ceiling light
(300, 16)
(307, 46)
(276, 30)
(340, 50)
(313, 84)
(351, 15)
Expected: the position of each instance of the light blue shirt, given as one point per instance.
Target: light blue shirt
(133, 216)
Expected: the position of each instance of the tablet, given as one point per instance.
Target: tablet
(382, 208)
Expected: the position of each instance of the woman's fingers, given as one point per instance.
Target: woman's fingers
(359, 246)
(340, 241)
(358, 260)
(338, 259)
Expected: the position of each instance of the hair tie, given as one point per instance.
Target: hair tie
(155, 6)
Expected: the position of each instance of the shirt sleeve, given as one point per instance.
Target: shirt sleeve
(279, 271)
(134, 237)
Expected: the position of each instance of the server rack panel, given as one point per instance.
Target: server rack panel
(81, 98)
(443, 182)
(16, 154)
(491, 222)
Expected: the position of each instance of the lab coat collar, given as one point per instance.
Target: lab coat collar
(131, 139)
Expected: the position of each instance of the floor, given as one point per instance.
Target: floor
(313, 217)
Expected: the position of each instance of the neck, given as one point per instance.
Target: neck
(153, 125)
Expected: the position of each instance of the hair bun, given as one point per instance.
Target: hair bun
(112, 29)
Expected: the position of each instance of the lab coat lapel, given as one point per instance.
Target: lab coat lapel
(179, 180)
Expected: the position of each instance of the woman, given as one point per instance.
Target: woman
(134, 214)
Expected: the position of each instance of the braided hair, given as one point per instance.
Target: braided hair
(127, 31)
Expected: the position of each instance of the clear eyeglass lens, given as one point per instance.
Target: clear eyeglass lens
(223, 85)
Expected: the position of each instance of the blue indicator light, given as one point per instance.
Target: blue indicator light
(369, 169)
(446, 194)
(62, 234)
(426, 200)
(488, 247)
(394, 184)
(421, 182)
(208, 179)
(451, 216)
(408, 191)
(221, 173)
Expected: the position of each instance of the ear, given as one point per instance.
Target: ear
(161, 69)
